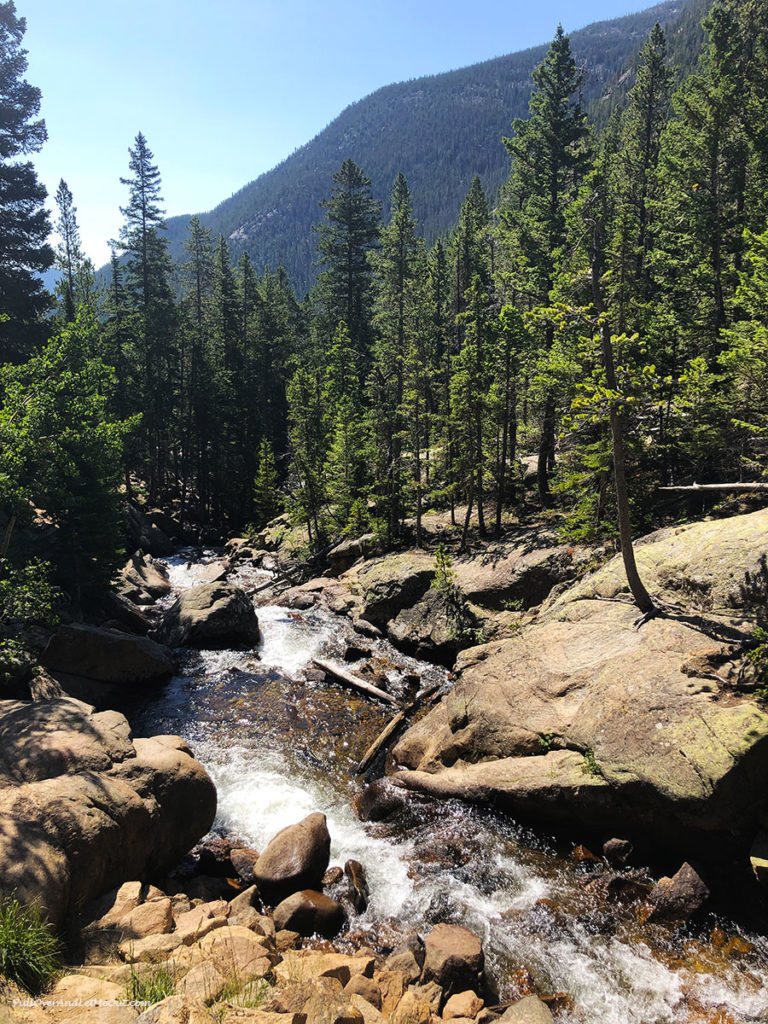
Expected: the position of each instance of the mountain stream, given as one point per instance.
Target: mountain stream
(280, 746)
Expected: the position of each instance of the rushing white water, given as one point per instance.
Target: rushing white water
(279, 748)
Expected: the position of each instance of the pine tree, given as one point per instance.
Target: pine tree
(634, 161)
(76, 286)
(512, 341)
(745, 363)
(549, 157)
(149, 271)
(470, 385)
(197, 405)
(308, 439)
(713, 164)
(346, 236)
(395, 264)
(266, 498)
(24, 227)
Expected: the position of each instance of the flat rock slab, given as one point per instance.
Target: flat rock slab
(650, 741)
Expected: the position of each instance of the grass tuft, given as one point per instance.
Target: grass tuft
(150, 988)
(30, 953)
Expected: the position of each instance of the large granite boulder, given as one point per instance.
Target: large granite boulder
(717, 565)
(582, 718)
(211, 615)
(143, 580)
(295, 859)
(107, 655)
(436, 628)
(389, 584)
(83, 806)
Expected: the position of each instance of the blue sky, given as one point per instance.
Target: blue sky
(225, 89)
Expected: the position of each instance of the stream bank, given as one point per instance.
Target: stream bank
(280, 744)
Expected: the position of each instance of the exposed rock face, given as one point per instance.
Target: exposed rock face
(143, 580)
(145, 533)
(210, 615)
(529, 1010)
(677, 898)
(523, 570)
(584, 718)
(387, 585)
(83, 807)
(717, 565)
(295, 859)
(344, 555)
(433, 629)
(107, 655)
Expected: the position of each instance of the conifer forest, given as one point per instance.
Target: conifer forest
(618, 273)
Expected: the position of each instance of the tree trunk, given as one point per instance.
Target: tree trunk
(639, 593)
(546, 450)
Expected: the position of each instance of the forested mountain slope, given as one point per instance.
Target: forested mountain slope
(439, 131)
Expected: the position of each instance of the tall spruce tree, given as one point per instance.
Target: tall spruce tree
(346, 236)
(549, 157)
(24, 226)
(395, 263)
(634, 163)
(154, 323)
(76, 286)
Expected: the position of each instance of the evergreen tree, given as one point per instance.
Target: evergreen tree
(308, 439)
(745, 362)
(346, 236)
(197, 404)
(549, 157)
(635, 158)
(24, 226)
(395, 264)
(266, 498)
(470, 384)
(713, 170)
(154, 325)
(512, 341)
(76, 285)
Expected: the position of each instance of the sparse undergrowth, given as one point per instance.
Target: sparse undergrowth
(758, 658)
(151, 988)
(29, 950)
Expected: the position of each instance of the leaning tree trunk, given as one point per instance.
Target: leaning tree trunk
(640, 594)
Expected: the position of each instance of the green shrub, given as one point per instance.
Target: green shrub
(590, 766)
(29, 951)
(758, 657)
(27, 595)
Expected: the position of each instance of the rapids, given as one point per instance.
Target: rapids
(279, 746)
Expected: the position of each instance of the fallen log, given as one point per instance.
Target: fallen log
(392, 727)
(353, 681)
(382, 738)
(716, 487)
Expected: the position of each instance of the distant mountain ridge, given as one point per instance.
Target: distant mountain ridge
(439, 131)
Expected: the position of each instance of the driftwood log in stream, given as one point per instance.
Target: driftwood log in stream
(353, 681)
(393, 727)
(386, 733)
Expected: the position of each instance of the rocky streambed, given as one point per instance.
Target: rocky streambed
(280, 743)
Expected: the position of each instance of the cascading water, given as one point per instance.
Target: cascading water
(279, 747)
